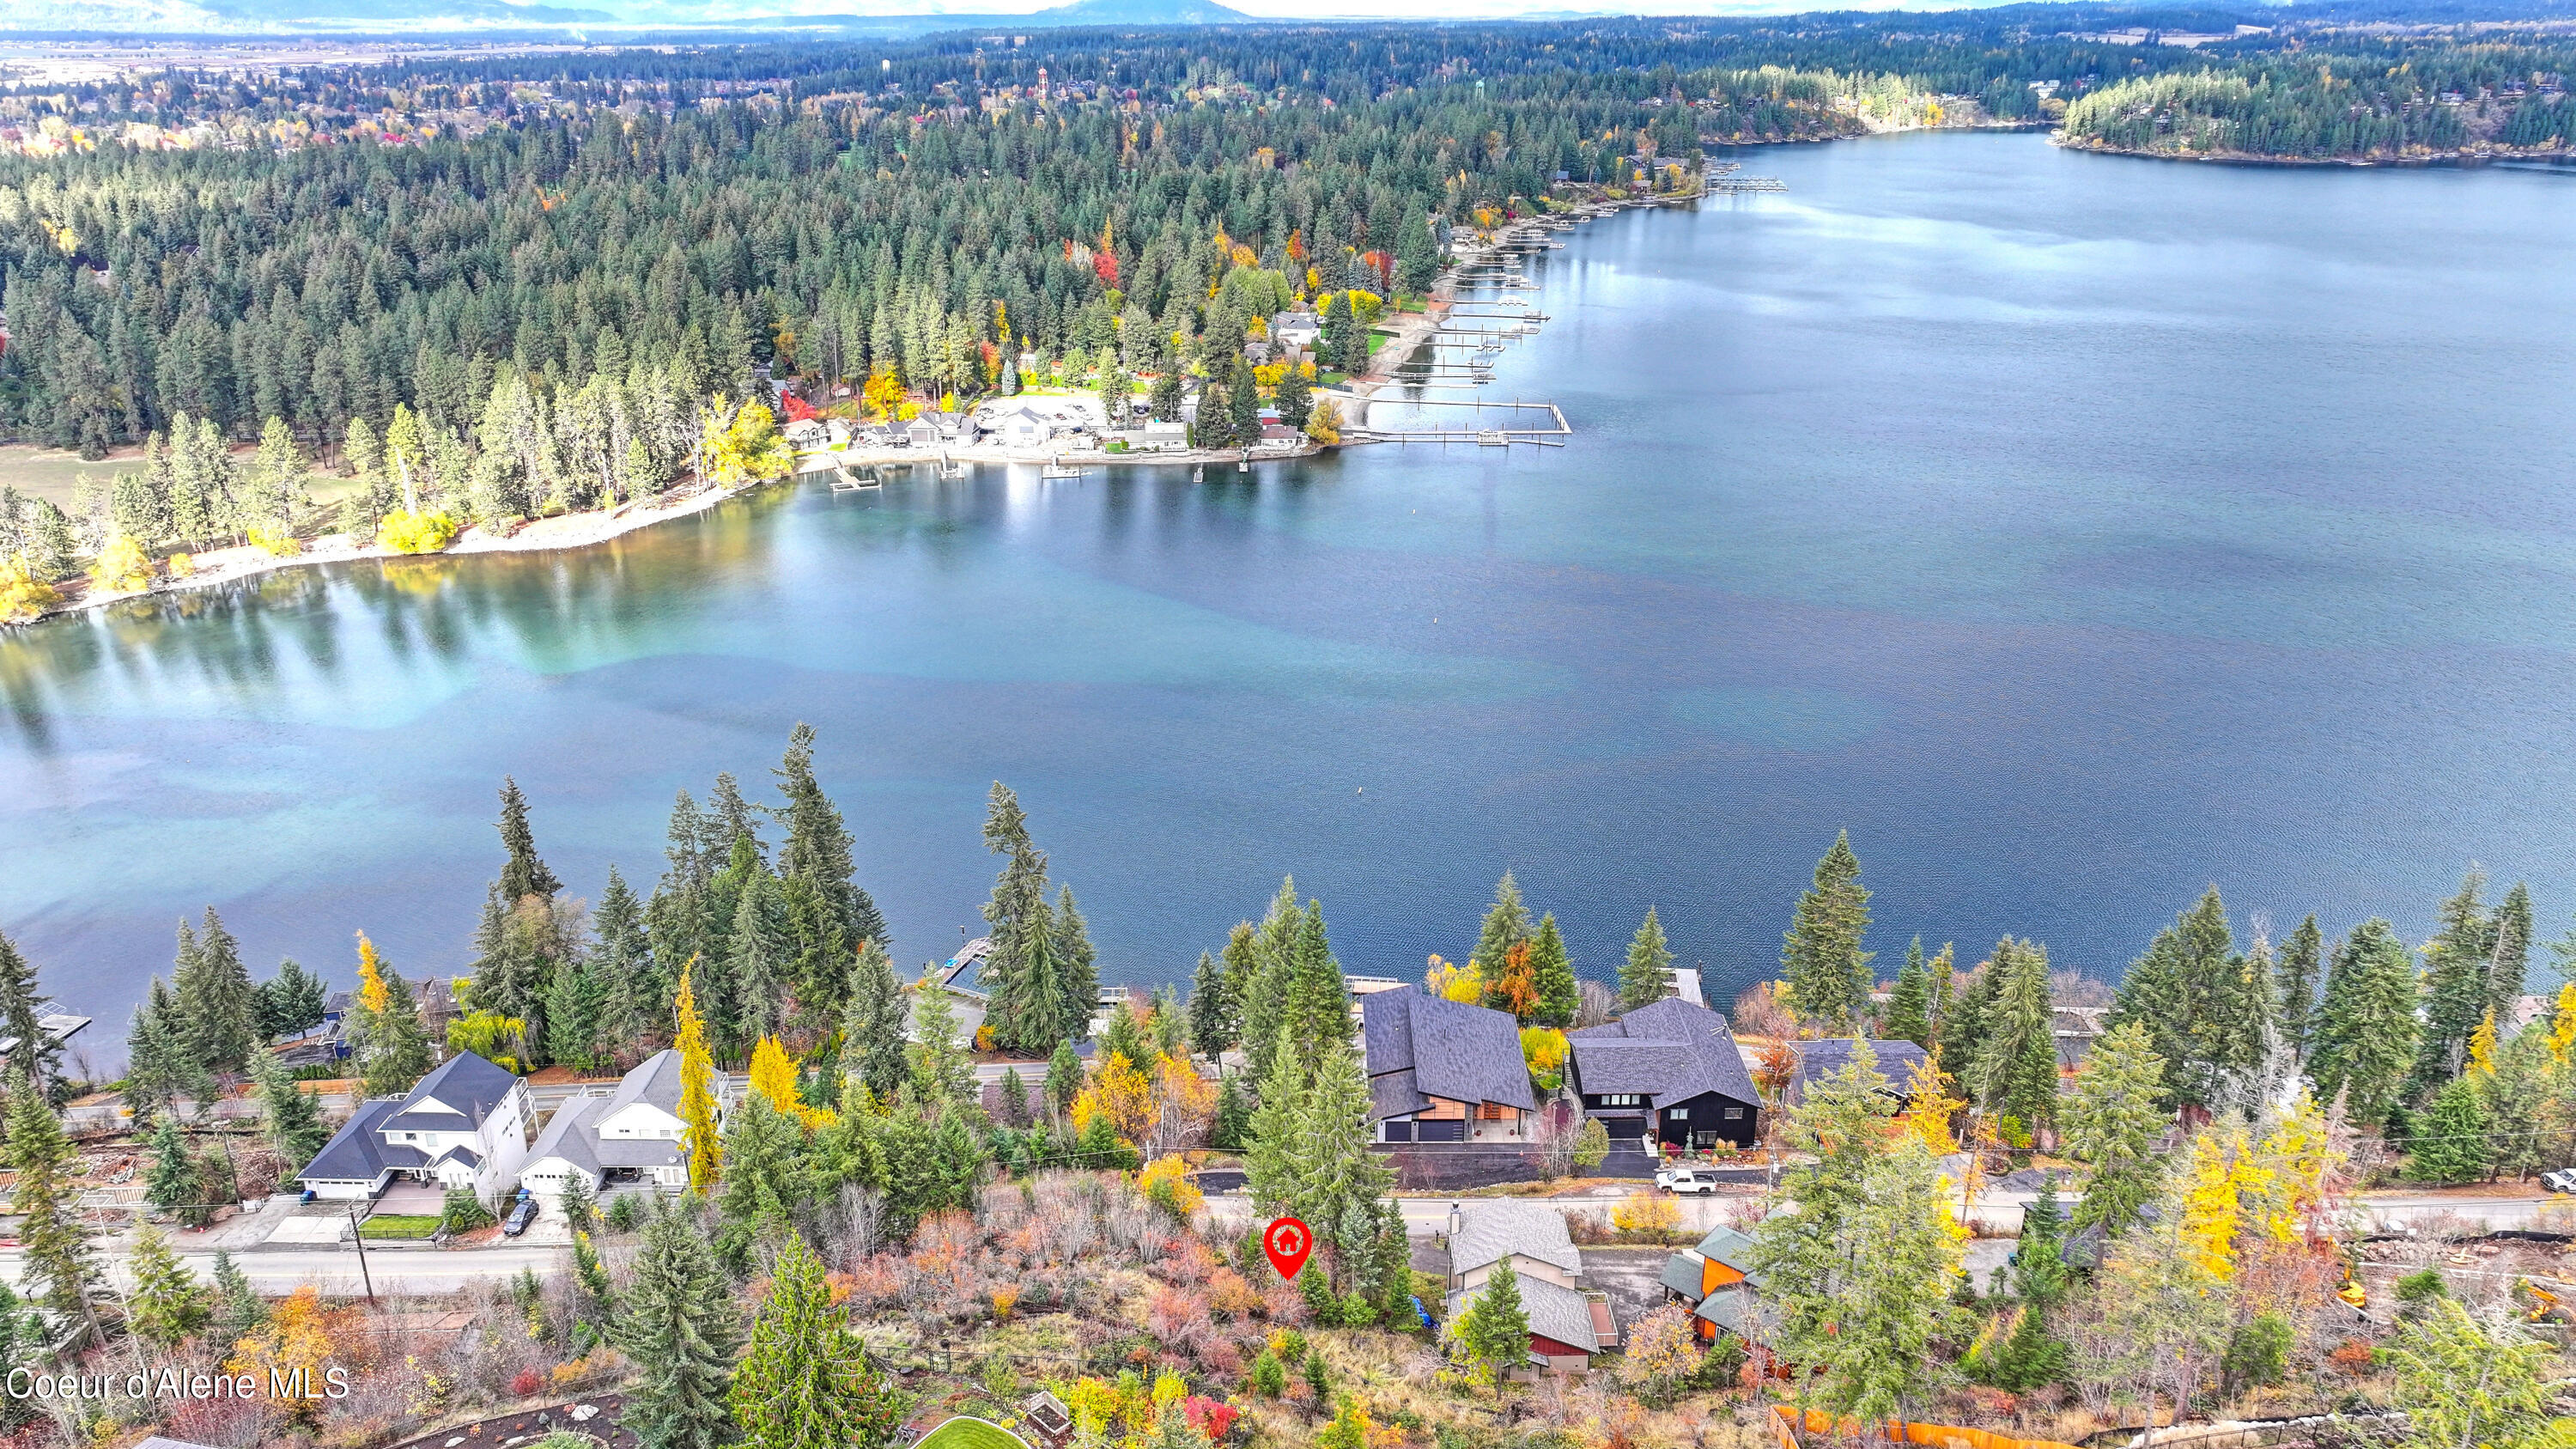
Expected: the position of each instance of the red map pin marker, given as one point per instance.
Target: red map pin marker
(1287, 1241)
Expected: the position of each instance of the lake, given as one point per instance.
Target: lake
(2074, 530)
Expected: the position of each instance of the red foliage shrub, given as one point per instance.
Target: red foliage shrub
(527, 1382)
(1179, 1318)
(1209, 1416)
(1230, 1295)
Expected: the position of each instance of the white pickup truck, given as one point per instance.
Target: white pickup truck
(1686, 1179)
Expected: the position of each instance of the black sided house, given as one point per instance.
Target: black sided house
(1669, 1070)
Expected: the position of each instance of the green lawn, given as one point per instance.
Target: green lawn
(53, 474)
(397, 1225)
(970, 1434)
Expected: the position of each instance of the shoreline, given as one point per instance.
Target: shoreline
(2465, 160)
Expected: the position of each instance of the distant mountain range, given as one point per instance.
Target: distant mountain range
(377, 17)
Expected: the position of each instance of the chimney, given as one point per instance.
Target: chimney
(1455, 1221)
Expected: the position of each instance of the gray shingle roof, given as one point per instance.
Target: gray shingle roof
(573, 1132)
(654, 1082)
(464, 1082)
(1489, 1230)
(564, 1136)
(356, 1153)
(1554, 1311)
(1818, 1059)
(1452, 1050)
(1670, 1050)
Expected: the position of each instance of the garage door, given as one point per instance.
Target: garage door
(1452, 1130)
(1624, 1129)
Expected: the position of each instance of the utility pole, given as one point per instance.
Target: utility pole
(358, 1236)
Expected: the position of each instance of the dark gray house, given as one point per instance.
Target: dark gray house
(1670, 1071)
(1444, 1071)
(1894, 1060)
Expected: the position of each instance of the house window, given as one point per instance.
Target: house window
(1623, 1099)
(1734, 1114)
(1492, 1112)
(1676, 1114)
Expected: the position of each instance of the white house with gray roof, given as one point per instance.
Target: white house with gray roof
(632, 1137)
(463, 1125)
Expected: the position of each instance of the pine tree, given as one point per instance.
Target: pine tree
(168, 1305)
(697, 1091)
(1507, 924)
(759, 955)
(2366, 1027)
(1233, 1121)
(1267, 969)
(833, 915)
(874, 1015)
(2113, 1116)
(391, 1044)
(1076, 965)
(2455, 985)
(1558, 995)
(239, 1310)
(21, 1020)
(1063, 1078)
(1318, 1004)
(214, 994)
(2200, 1002)
(805, 1382)
(678, 1328)
(1821, 957)
(523, 874)
(765, 1169)
(1643, 978)
(621, 959)
(1211, 1009)
(2509, 960)
(295, 1126)
(1025, 1012)
(2297, 989)
(573, 1005)
(170, 1180)
(1963, 1025)
(2016, 1072)
(160, 1065)
(1909, 1003)
(2450, 1141)
(941, 1072)
(53, 1239)
(1493, 1334)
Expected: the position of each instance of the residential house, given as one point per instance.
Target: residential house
(1022, 427)
(1716, 1281)
(1668, 1072)
(1568, 1322)
(464, 1125)
(1298, 330)
(806, 435)
(631, 1137)
(1444, 1071)
(920, 433)
(1895, 1060)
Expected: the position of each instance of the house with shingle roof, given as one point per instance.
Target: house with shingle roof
(631, 1137)
(1667, 1072)
(463, 1125)
(1444, 1071)
(1893, 1059)
(1716, 1280)
(1568, 1321)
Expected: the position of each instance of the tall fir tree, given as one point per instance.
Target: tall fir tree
(214, 994)
(805, 1382)
(1506, 924)
(1963, 1026)
(161, 1066)
(1909, 1002)
(1026, 1014)
(2367, 1025)
(1558, 993)
(2206, 1007)
(1494, 1332)
(1821, 957)
(522, 873)
(678, 1328)
(1077, 964)
(2509, 959)
(294, 1120)
(832, 914)
(2301, 957)
(2016, 1070)
(1212, 1020)
(2455, 985)
(53, 1238)
(1643, 977)
(1270, 951)
(875, 1013)
(2113, 1116)
(391, 1044)
(1319, 1012)
(168, 1305)
(621, 962)
(2450, 1141)
(760, 955)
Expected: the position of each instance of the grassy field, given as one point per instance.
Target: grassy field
(970, 1434)
(53, 474)
(397, 1225)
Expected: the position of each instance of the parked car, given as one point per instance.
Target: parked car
(522, 1213)
(2563, 1180)
(1686, 1179)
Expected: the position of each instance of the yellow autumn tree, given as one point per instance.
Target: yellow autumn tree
(1929, 1107)
(1184, 1103)
(2482, 1048)
(296, 1339)
(773, 1076)
(2226, 1187)
(1455, 983)
(1121, 1092)
(747, 448)
(121, 568)
(2562, 1025)
(2299, 1162)
(697, 1089)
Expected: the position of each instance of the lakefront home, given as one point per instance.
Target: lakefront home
(463, 1125)
(1444, 1071)
(629, 1138)
(1668, 1072)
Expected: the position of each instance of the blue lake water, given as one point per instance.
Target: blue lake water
(2076, 531)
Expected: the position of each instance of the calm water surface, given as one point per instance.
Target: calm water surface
(2076, 531)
